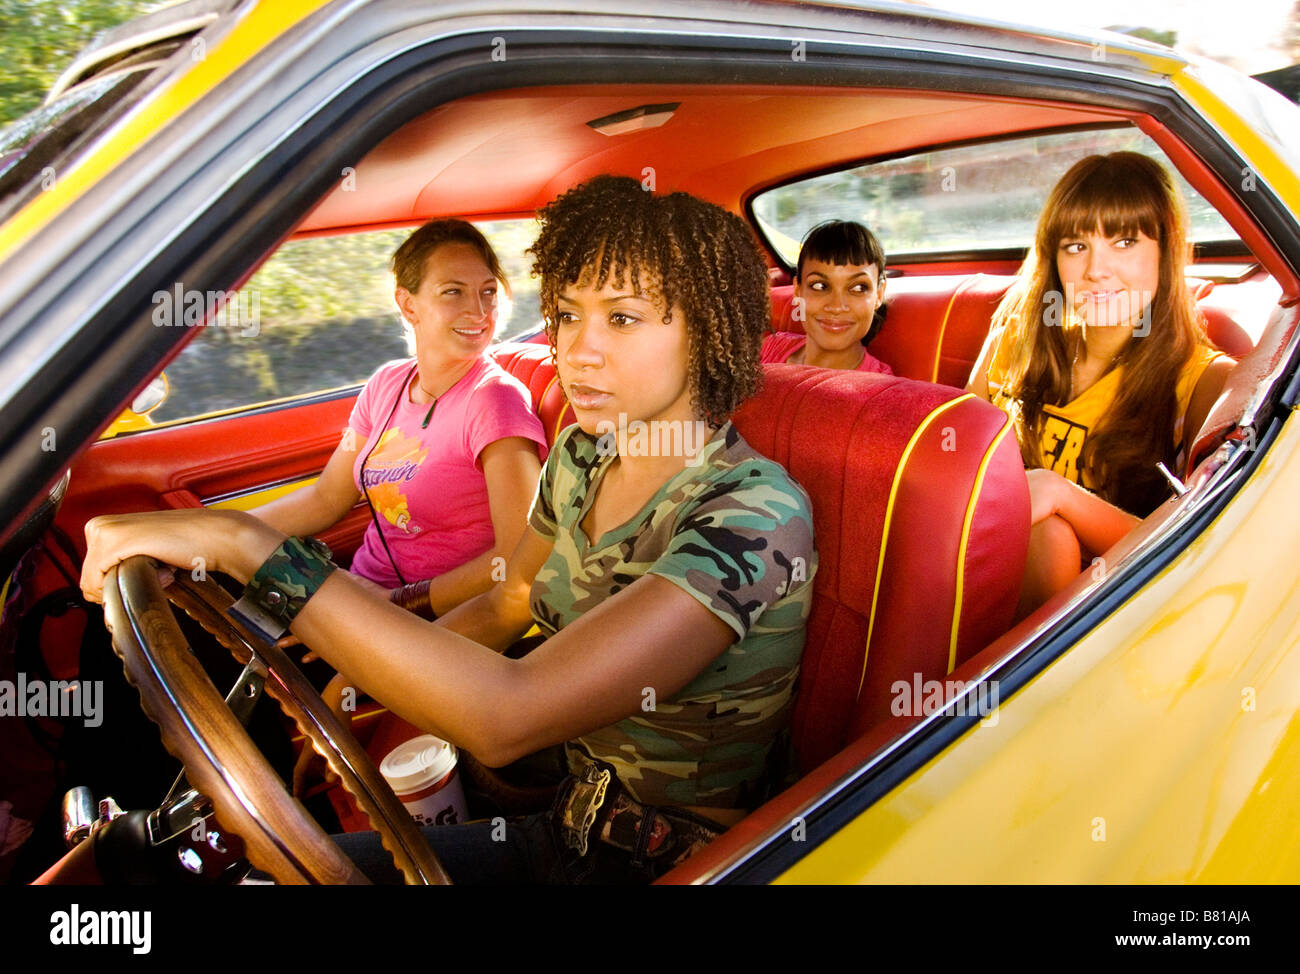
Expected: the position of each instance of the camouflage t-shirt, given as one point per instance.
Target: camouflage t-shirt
(735, 533)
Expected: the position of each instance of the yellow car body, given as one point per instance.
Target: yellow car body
(1158, 742)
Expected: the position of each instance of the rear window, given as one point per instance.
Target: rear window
(959, 199)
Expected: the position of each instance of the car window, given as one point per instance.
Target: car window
(317, 316)
(980, 197)
(38, 148)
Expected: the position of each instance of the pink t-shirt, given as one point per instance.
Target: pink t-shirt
(779, 346)
(428, 491)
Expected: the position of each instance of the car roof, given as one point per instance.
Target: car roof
(240, 35)
(721, 142)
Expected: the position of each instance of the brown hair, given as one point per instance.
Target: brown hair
(412, 257)
(682, 249)
(1120, 193)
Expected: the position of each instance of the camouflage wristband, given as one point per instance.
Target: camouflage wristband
(281, 587)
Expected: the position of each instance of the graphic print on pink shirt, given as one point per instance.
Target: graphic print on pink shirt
(394, 462)
(428, 490)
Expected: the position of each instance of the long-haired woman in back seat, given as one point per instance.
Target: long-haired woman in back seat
(1099, 356)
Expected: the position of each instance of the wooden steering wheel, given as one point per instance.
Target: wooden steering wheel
(220, 759)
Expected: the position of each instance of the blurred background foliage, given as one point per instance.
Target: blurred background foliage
(40, 38)
(320, 314)
(322, 310)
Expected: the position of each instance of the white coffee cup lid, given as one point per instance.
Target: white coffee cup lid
(418, 763)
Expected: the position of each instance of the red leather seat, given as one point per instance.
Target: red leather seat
(921, 517)
(531, 364)
(936, 324)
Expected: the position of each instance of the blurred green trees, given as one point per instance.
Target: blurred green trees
(40, 38)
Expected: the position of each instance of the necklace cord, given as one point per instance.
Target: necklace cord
(365, 490)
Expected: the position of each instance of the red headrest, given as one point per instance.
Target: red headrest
(531, 364)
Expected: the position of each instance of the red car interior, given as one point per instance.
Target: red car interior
(936, 325)
(920, 508)
(920, 503)
(894, 501)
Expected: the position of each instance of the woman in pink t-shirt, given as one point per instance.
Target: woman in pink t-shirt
(443, 447)
(840, 291)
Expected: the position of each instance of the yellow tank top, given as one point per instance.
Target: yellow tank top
(1064, 429)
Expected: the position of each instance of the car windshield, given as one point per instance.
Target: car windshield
(36, 149)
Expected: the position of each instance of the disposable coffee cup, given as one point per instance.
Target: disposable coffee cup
(422, 773)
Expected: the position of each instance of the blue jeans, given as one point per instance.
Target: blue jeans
(512, 851)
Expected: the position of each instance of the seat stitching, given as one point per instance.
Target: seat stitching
(889, 513)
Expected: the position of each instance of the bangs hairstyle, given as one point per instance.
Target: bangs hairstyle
(412, 258)
(1121, 194)
(675, 250)
(847, 244)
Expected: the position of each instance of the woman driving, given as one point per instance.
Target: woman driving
(674, 581)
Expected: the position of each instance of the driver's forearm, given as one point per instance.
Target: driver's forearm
(416, 669)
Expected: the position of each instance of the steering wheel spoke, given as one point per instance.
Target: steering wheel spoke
(243, 696)
(221, 762)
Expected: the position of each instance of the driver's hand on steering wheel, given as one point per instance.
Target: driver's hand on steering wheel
(200, 539)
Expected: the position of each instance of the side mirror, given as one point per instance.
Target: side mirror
(136, 417)
(151, 396)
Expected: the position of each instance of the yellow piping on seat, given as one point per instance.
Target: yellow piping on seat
(943, 325)
(965, 536)
(549, 386)
(889, 515)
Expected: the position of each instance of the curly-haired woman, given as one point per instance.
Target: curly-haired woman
(1100, 357)
(674, 582)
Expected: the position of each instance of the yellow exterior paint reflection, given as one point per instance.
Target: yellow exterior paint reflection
(1164, 747)
(256, 498)
(255, 30)
(1263, 160)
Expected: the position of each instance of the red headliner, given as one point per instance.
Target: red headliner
(508, 153)
(513, 151)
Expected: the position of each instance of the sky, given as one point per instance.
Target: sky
(1244, 34)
